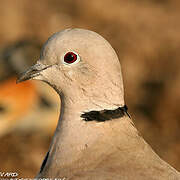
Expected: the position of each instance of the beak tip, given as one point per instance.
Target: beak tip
(22, 77)
(18, 80)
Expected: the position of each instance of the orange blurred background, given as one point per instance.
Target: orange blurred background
(146, 37)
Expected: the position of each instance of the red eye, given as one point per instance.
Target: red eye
(70, 57)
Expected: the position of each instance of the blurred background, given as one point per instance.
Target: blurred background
(146, 37)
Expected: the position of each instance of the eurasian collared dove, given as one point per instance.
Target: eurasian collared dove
(95, 138)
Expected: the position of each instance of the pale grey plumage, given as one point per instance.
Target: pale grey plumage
(110, 150)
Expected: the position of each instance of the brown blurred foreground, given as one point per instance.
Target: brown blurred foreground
(145, 35)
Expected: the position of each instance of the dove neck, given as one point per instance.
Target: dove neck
(79, 146)
(74, 137)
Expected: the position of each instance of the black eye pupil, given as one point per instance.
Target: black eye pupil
(70, 57)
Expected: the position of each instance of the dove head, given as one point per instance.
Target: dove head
(82, 67)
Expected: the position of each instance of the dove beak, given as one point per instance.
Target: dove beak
(32, 72)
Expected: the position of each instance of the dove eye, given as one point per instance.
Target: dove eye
(71, 57)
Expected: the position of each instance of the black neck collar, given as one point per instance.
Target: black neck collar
(105, 115)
